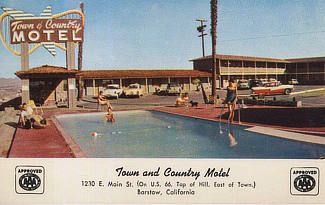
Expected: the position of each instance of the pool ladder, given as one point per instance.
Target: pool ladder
(240, 106)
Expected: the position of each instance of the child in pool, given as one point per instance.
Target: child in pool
(110, 116)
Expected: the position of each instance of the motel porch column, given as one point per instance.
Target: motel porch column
(94, 87)
(121, 83)
(146, 82)
(266, 69)
(297, 71)
(71, 64)
(276, 71)
(324, 71)
(255, 69)
(24, 67)
(228, 70)
(307, 71)
(285, 74)
(190, 83)
(242, 71)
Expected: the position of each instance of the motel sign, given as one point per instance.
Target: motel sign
(63, 30)
(46, 30)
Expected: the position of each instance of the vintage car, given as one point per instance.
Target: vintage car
(254, 83)
(293, 81)
(169, 89)
(242, 84)
(133, 90)
(272, 88)
(113, 90)
(173, 89)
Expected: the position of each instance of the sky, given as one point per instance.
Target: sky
(161, 34)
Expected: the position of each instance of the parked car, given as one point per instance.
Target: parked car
(264, 80)
(242, 84)
(173, 89)
(169, 89)
(254, 83)
(133, 90)
(293, 81)
(113, 90)
(272, 88)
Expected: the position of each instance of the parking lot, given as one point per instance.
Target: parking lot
(151, 100)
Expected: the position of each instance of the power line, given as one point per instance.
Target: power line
(272, 36)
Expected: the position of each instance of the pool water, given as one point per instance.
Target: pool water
(152, 134)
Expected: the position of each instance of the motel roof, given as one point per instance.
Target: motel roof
(46, 71)
(244, 58)
(275, 60)
(142, 73)
(57, 72)
(306, 60)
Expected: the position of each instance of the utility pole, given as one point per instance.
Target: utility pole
(202, 29)
(214, 21)
(80, 93)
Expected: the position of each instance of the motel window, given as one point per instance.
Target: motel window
(313, 77)
(105, 83)
(224, 63)
(235, 63)
(260, 64)
(271, 65)
(316, 67)
(249, 64)
(291, 67)
(37, 83)
(301, 65)
(88, 83)
(281, 65)
(98, 83)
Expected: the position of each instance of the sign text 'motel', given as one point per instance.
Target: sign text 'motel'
(46, 30)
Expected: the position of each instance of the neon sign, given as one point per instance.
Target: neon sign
(45, 30)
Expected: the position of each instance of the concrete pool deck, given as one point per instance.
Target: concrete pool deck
(49, 142)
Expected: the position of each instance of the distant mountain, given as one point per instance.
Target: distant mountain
(8, 83)
(9, 87)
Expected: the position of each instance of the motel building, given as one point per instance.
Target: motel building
(48, 84)
(308, 71)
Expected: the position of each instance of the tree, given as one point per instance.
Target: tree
(214, 21)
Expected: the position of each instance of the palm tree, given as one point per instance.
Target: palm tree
(214, 21)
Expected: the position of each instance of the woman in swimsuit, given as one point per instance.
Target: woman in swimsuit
(103, 101)
(231, 99)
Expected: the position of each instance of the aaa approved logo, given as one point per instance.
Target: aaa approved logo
(304, 181)
(29, 179)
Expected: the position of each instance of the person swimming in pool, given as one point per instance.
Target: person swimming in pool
(110, 116)
(231, 99)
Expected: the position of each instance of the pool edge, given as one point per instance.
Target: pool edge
(76, 151)
(246, 124)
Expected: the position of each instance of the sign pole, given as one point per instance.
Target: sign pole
(80, 88)
(24, 67)
(71, 64)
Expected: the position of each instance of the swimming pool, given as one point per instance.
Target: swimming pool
(153, 134)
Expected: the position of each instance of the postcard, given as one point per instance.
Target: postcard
(162, 102)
